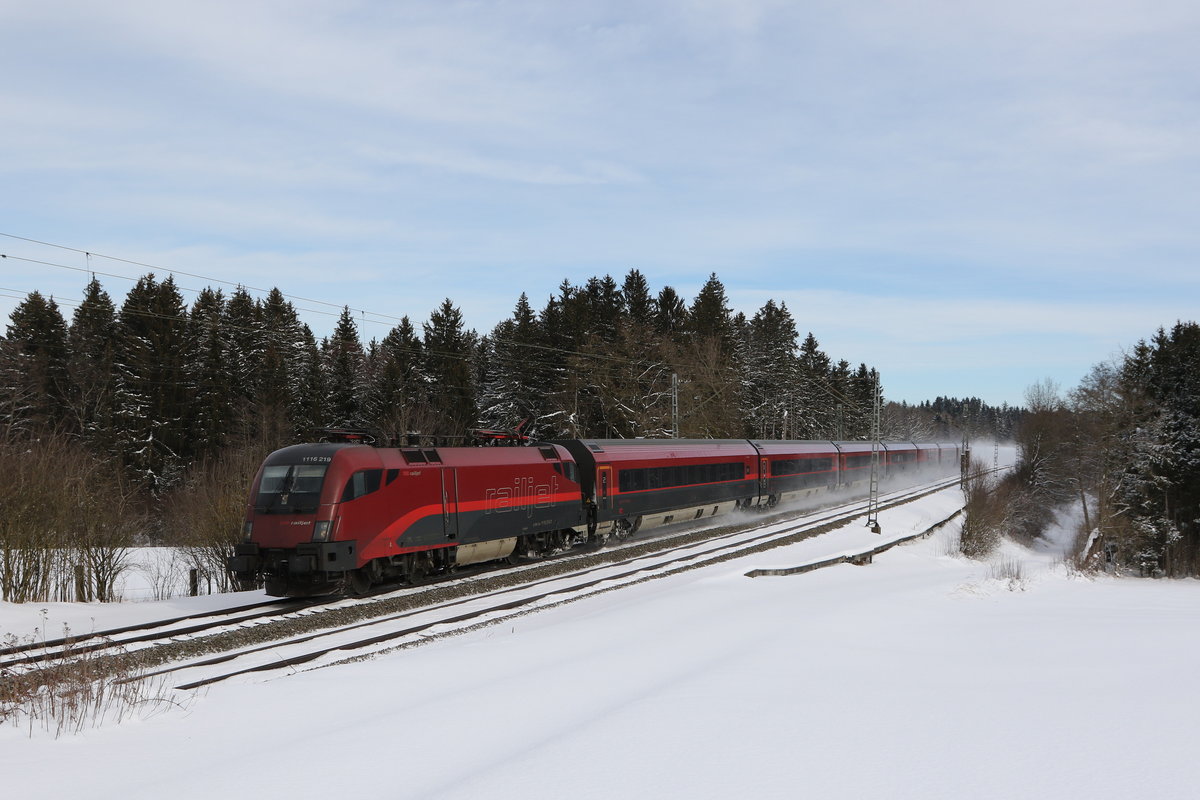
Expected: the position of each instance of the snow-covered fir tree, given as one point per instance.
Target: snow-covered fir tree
(448, 353)
(281, 371)
(346, 380)
(210, 379)
(34, 384)
(770, 370)
(151, 395)
(92, 342)
(394, 402)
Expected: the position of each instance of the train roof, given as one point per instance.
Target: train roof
(784, 446)
(608, 450)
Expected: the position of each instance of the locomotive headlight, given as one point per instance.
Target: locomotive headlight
(247, 531)
(321, 531)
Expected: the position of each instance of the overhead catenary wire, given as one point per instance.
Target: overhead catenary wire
(89, 254)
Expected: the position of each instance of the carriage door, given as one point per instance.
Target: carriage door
(449, 502)
(604, 487)
(764, 472)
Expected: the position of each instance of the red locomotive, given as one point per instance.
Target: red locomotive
(331, 517)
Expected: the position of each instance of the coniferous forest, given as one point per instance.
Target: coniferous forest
(143, 419)
(157, 388)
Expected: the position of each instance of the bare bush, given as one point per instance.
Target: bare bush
(63, 511)
(984, 512)
(204, 516)
(30, 527)
(164, 572)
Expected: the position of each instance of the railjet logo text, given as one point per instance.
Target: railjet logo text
(524, 494)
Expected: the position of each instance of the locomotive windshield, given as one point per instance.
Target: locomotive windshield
(290, 489)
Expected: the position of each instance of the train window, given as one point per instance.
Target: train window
(794, 466)
(631, 480)
(362, 482)
(391, 474)
(290, 489)
(571, 471)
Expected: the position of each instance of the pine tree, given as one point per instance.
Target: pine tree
(34, 384)
(670, 314)
(512, 391)
(1159, 491)
(858, 416)
(638, 303)
(771, 375)
(394, 396)
(605, 307)
(92, 343)
(210, 378)
(281, 366)
(710, 376)
(344, 360)
(241, 321)
(637, 373)
(816, 410)
(448, 352)
(555, 375)
(151, 388)
(709, 315)
(310, 409)
(840, 378)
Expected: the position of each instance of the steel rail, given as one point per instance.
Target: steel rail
(687, 556)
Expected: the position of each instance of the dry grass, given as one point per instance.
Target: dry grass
(1009, 571)
(75, 691)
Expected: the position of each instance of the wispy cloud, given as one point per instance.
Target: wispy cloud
(1009, 168)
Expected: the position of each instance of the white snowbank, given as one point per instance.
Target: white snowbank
(918, 676)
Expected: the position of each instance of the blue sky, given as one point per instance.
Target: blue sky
(972, 197)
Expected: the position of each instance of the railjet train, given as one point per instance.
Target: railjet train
(331, 517)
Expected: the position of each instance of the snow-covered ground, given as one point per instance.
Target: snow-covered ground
(919, 676)
(153, 572)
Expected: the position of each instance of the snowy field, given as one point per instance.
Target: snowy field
(919, 676)
(152, 573)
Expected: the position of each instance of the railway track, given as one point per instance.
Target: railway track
(148, 634)
(206, 648)
(41, 651)
(413, 626)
